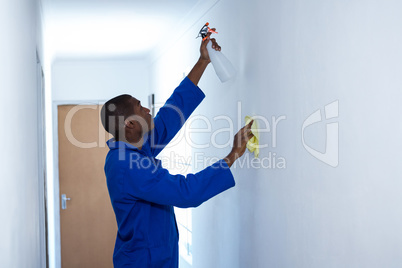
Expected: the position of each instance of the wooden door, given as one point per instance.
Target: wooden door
(88, 226)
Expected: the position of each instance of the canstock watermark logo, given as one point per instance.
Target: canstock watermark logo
(331, 154)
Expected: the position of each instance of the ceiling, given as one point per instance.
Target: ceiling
(115, 28)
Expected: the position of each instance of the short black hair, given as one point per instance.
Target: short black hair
(114, 112)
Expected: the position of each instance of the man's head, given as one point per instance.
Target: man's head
(125, 118)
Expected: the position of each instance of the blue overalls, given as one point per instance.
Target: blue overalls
(143, 193)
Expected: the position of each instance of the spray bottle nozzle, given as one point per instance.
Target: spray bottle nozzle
(204, 30)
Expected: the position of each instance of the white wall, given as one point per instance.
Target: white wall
(80, 80)
(294, 58)
(19, 182)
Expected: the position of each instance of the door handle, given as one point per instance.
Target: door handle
(64, 199)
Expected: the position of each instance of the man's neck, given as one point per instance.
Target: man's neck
(134, 142)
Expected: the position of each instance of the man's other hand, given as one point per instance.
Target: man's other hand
(240, 143)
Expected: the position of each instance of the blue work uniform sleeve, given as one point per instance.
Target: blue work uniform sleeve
(156, 185)
(172, 116)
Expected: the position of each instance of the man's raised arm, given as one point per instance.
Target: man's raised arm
(184, 100)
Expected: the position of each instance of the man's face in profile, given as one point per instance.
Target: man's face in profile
(142, 116)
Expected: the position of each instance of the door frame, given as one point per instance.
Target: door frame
(54, 198)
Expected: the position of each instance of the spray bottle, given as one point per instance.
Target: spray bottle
(223, 68)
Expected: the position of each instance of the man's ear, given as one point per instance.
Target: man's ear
(129, 123)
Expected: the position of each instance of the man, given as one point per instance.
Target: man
(141, 191)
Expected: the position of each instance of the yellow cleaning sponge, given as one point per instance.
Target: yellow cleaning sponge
(253, 143)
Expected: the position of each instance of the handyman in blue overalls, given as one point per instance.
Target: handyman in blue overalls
(141, 191)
